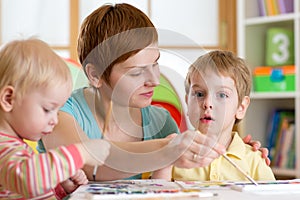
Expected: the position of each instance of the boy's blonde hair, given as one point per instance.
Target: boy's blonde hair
(226, 64)
(31, 63)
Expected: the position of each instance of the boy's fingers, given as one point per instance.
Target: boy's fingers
(247, 139)
(265, 152)
(268, 161)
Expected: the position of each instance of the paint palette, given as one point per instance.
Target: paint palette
(268, 187)
(205, 185)
(140, 189)
(132, 187)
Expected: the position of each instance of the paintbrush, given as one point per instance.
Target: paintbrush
(107, 117)
(239, 169)
(235, 165)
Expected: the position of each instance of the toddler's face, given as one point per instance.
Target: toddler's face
(212, 103)
(35, 114)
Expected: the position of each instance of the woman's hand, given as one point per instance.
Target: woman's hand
(256, 145)
(200, 150)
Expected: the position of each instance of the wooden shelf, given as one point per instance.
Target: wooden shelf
(251, 46)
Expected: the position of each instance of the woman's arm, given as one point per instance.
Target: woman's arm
(68, 131)
(129, 158)
(165, 173)
(187, 150)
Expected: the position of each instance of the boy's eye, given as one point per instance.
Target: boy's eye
(222, 95)
(198, 94)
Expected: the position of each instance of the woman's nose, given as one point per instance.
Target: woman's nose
(152, 77)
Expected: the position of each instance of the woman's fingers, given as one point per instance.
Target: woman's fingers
(200, 150)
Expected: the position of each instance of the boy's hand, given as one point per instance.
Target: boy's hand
(256, 145)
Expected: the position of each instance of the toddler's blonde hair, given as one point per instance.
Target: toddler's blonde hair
(31, 63)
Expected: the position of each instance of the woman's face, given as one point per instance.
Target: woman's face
(133, 81)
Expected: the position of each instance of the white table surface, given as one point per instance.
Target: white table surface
(219, 194)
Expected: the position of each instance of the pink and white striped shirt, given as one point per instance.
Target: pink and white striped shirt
(27, 175)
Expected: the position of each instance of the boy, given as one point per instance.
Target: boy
(34, 84)
(217, 87)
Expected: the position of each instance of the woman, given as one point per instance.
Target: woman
(118, 49)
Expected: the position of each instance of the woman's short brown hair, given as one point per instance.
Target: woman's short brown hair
(113, 33)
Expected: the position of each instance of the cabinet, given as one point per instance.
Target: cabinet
(252, 29)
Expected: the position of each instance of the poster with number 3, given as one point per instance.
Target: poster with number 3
(279, 47)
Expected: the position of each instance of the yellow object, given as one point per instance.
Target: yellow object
(146, 175)
(220, 169)
(32, 144)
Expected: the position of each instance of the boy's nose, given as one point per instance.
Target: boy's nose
(207, 104)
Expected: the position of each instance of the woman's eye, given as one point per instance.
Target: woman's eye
(156, 64)
(136, 72)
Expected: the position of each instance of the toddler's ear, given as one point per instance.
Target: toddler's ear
(7, 98)
(241, 112)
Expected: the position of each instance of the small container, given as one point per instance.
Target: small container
(274, 79)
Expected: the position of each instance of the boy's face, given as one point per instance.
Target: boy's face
(213, 104)
(35, 114)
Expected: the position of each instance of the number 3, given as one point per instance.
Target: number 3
(283, 48)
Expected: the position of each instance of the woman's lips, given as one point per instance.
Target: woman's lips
(148, 94)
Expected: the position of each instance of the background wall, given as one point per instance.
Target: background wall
(194, 23)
